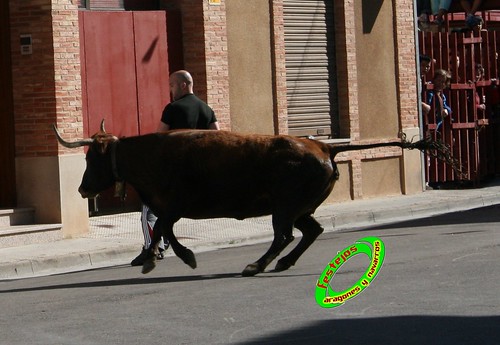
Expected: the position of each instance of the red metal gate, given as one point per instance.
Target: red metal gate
(469, 131)
(124, 77)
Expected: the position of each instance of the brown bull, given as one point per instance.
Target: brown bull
(211, 174)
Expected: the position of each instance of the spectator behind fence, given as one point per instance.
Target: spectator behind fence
(440, 81)
(423, 12)
(493, 97)
(454, 67)
(479, 103)
(425, 67)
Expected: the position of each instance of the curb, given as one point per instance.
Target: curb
(392, 215)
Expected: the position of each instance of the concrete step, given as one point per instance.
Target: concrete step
(21, 235)
(17, 216)
(17, 228)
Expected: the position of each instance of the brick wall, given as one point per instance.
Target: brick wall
(217, 61)
(67, 74)
(345, 34)
(406, 65)
(278, 60)
(205, 54)
(194, 44)
(345, 46)
(46, 84)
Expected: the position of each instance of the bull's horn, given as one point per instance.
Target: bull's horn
(74, 144)
(102, 126)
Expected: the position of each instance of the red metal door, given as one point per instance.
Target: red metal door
(151, 61)
(124, 70)
(124, 78)
(110, 81)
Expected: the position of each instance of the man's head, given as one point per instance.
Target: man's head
(181, 83)
(425, 64)
(479, 72)
(441, 80)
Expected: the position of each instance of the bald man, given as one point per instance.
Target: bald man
(185, 111)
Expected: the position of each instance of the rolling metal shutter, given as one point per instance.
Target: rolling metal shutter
(310, 67)
(101, 4)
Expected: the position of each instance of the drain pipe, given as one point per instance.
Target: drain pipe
(419, 89)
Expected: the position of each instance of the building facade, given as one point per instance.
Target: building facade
(343, 71)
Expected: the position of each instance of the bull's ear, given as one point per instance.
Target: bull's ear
(105, 138)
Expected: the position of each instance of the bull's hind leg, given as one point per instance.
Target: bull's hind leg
(166, 228)
(282, 238)
(310, 229)
(185, 254)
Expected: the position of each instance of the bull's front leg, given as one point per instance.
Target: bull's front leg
(165, 227)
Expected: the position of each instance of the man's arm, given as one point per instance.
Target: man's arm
(214, 125)
(162, 127)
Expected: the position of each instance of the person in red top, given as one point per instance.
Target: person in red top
(479, 102)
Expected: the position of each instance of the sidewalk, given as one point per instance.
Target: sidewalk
(117, 239)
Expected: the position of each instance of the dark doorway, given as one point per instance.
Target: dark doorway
(7, 135)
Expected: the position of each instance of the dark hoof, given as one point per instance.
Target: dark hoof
(189, 259)
(148, 265)
(282, 266)
(251, 270)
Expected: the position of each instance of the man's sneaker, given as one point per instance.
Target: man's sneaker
(160, 255)
(473, 20)
(139, 260)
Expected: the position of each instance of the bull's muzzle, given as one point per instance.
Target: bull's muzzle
(85, 194)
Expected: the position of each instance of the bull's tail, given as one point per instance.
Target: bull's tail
(434, 148)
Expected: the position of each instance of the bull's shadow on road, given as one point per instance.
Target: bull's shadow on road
(407, 330)
(488, 214)
(146, 281)
(128, 281)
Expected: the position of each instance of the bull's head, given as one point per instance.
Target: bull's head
(99, 174)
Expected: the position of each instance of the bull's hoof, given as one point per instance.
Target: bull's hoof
(189, 258)
(282, 266)
(251, 270)
(148, 266)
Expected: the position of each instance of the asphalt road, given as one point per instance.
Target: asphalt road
(438, 285)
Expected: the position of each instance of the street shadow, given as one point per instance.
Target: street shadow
(371, 11)
(128, 281)
(407, 330)
(149, 280)
(488, 214)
